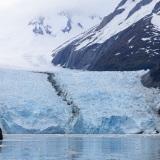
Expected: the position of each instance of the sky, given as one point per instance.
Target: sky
(20, 7)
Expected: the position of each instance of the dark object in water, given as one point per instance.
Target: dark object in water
(140, 132)
(1, 136)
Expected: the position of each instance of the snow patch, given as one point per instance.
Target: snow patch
(146, 39)
(131, 46)
(156, 21)
(130, 39)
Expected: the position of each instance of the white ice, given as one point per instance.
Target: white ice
(108, 102)
(29, 104)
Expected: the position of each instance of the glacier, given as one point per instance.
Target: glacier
(77, 102)
(39, 98)
(29, 104)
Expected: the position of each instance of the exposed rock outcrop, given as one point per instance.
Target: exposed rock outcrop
(152, 78)
(68, 27)
(1, 135)
(39, 27)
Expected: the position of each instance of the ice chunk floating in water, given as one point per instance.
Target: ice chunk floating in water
(77, 102)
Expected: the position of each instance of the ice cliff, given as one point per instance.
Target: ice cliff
(77, 102)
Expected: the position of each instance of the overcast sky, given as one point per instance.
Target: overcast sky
(16, 35)
(34, 7)
(15, 13)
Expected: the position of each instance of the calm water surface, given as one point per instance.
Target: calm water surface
(77, 148)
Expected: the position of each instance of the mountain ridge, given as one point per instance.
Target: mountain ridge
(119, 45)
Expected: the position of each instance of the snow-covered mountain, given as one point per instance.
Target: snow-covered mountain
(127, 39)
(52, 100)
(28, 43)
(63, 23)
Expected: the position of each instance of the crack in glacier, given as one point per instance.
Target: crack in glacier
(63, 94)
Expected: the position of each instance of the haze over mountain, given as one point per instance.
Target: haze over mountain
(126, 40)
(30, 30)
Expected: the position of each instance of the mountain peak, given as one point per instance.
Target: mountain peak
(39, 27)
(120, 9)
(119, 42)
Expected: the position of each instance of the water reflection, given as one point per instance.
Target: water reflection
(75, 147)
(1, 146)
(122, 148)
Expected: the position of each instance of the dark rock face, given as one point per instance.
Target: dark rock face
(68, 27)
(38, 30)
(121, 3)
(47, 29)
(79, 25)
(38, 23)
(69, 58)
(152, 78)
(137, 54)
(155, 73)
(1, 136)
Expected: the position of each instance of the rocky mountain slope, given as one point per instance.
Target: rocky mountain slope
(152, 78)
(127, 39)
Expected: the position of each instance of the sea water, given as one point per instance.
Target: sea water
(78, 147)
